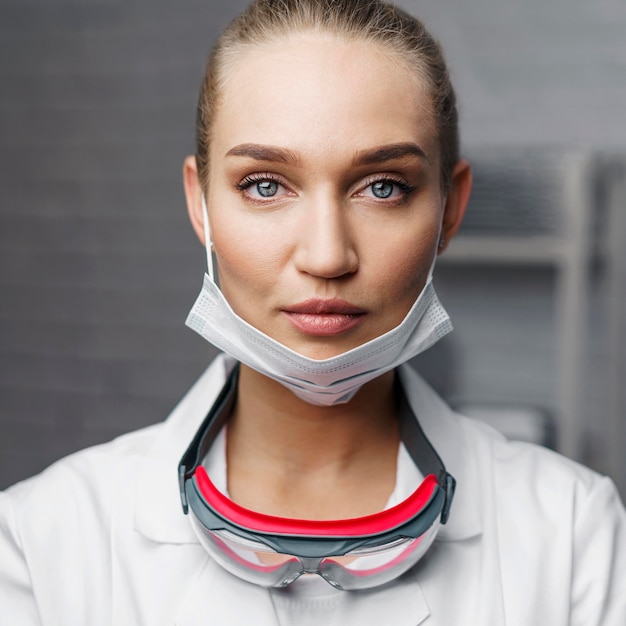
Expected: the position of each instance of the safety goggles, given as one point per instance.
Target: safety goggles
(350, 554)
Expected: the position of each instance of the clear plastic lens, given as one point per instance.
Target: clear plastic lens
(249, 560)
(365, 568)
(360, 569)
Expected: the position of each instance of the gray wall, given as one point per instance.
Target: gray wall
(98, 265)
(536, 71)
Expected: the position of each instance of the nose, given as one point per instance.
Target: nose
(326, 247)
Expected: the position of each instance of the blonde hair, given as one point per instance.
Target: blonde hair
(366, 20)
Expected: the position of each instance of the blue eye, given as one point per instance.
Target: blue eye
(267, 188)
(261, 187)
(386, 188)
(382, 189)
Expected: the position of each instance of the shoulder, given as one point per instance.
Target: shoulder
(92, 478)
(80, 488)
(539, 515)
(536, 482)
(555, 518)
(96, 464)
(508, 478)
(475, 443)
(531, 471)
(61, 521)
(74, 525)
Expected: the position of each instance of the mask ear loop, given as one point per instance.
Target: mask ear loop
(440, 244)
(208, 244)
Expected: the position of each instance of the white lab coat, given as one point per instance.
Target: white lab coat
(99, 538)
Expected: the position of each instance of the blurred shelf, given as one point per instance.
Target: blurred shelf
(501, 249)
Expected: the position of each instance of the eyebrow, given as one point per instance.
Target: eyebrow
(274, 154)
(260, 152)
(389, 153)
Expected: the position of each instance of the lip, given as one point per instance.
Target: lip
(324, 317)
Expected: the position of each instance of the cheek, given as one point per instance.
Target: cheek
(404, 261)
(248, 255)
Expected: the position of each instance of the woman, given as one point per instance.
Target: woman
(318, 471)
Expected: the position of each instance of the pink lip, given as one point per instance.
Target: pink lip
(324, 317)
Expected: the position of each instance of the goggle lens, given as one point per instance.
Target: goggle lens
(359, 569)
(249, 560)
(362, 569)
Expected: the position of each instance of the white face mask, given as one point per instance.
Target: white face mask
(323, 382)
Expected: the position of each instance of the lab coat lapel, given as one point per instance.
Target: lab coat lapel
(219, 599)
(158, 512)
(401, 604)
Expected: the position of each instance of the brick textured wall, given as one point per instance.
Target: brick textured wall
(98, 264)
(535, 71)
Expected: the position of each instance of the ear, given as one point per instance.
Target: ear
(193, 195)
(456, 202)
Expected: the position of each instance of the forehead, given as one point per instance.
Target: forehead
(319, 93)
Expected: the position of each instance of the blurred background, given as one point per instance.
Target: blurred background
(98, 265)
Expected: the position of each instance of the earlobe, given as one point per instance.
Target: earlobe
(456, 202)
(193, 195)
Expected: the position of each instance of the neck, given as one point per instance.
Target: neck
(284, 452)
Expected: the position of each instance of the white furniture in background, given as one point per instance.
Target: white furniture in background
(535, 207)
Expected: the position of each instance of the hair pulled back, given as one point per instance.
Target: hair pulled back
(365, 20)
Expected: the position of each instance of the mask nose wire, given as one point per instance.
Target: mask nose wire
(208, 243)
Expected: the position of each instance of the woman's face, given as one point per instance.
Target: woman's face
(324, 194)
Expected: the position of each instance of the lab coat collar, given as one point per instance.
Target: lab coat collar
(158, 512)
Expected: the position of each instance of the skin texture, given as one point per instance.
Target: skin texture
(340, 138)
